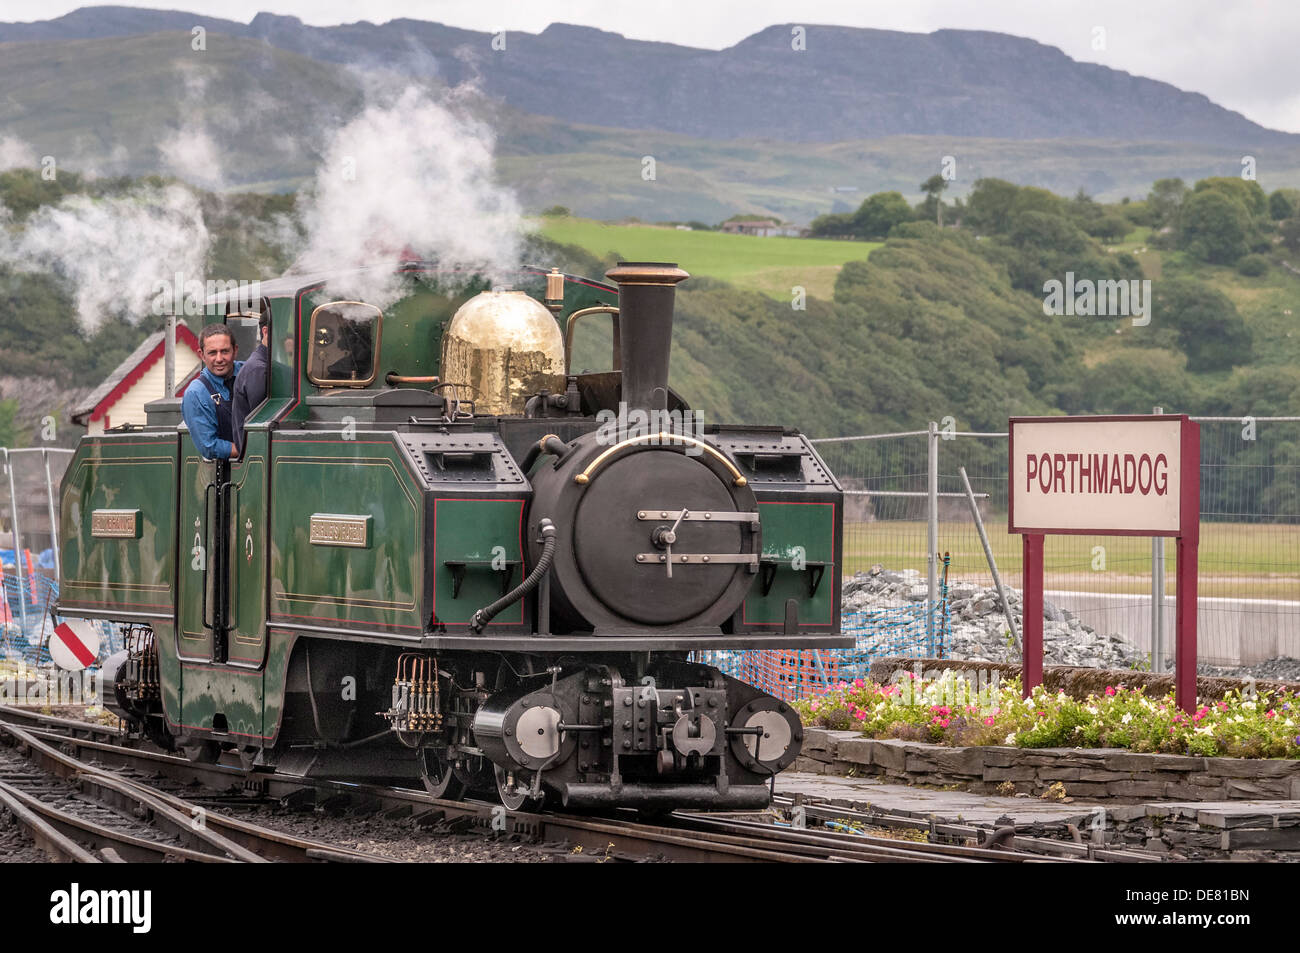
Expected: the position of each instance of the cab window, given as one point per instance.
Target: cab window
(344, 344)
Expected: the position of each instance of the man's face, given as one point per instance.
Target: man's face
(219, 354)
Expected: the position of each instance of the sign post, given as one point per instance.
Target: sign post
(1107, 476)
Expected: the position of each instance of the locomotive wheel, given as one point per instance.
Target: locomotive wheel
(518, 798)
(439, 777)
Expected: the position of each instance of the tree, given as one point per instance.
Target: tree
(8, 424)
(832, 225)
(1290, 231)
(933, 187)
(1249, 194)
(1210, 331)
(556, 211)
(1164, 201)
(1109, 227)
(1284, 203)
(1215, 227)
(879, 213)
(988, 208)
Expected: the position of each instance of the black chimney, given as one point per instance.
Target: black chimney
(645, 302)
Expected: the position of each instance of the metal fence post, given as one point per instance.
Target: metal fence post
(18, 556)
(54, 526)
(932, 536)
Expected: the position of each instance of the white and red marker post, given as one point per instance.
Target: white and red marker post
(1107, 476)
(75, 645)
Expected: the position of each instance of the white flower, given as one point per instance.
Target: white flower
(1092, 709)
(1011, 738)
(1203, 731)
(1128, 716)
(1250, 706)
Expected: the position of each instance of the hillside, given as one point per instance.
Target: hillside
(254, 109)
(846, 83)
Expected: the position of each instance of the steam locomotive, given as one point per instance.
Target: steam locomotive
(444, 557)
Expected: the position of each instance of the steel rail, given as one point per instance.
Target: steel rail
(211, 836)
(686, 836)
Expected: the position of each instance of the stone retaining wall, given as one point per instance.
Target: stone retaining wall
(1115, 774)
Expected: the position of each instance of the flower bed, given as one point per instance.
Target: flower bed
(954, 711)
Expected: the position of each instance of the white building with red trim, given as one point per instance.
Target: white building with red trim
(120, 399)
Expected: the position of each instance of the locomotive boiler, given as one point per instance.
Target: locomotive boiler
(445, 555)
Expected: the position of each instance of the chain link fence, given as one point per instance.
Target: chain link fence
(907, 517)
(1249, 558)
(29, 559)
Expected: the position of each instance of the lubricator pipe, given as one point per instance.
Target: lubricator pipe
(646, 291)
(483, 616)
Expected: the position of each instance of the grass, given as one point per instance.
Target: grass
(1238, 560)
(770, 265)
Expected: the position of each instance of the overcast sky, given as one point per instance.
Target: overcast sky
(1240, 53)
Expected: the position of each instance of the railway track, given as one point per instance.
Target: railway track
(83, 813)
(98, 754)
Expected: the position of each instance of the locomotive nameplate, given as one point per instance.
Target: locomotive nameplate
(336, 529)
(115, 524)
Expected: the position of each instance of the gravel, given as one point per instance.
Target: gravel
(978, 629)
(400, 840)
(16, 845)
(1280, 668)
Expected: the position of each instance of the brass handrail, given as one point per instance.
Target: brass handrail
(585, 476)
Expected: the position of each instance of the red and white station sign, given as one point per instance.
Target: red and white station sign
(74, 645)
(1097, 475)
(1108, 476)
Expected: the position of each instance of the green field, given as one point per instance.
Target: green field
(1236, 560)
(770, 265)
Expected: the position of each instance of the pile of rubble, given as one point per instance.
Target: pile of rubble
(978, 630)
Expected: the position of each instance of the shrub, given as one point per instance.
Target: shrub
(1252, 266)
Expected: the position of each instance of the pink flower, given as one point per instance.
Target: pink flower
(988, 720)
(1110, 690)
(858, 683)
(1271, 714)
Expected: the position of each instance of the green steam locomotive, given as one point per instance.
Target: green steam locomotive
(443, 556)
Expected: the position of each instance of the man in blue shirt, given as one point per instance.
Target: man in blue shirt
(206, 404)
(250, 384)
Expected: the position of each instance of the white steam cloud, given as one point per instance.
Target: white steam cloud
(16, 154)
(190, 152)
(410, 179)
(114, 251)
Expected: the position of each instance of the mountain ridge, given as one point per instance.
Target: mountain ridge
(849, 82)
